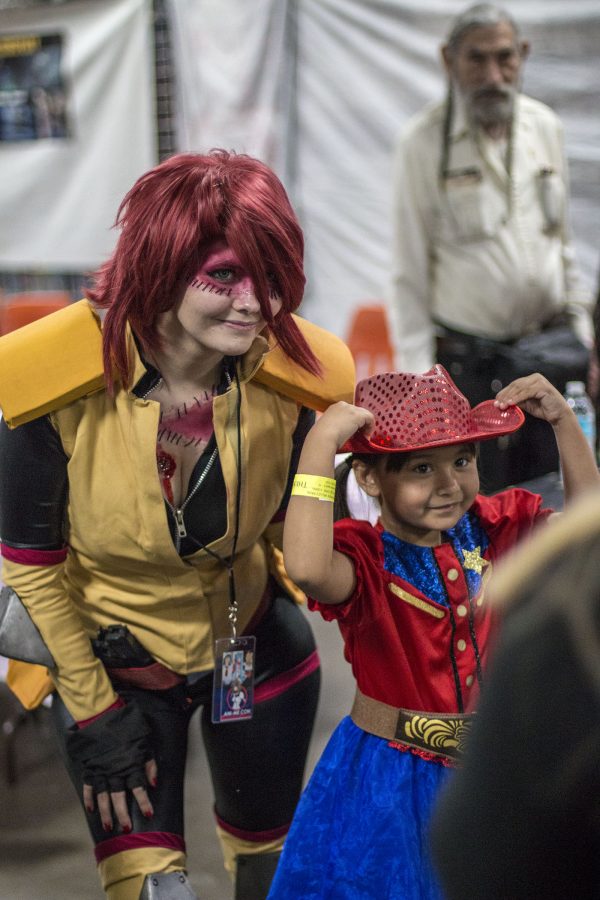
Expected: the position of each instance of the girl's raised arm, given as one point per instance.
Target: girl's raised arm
(539, 398)
(310, 560)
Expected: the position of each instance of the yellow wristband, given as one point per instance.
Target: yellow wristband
(314, 486)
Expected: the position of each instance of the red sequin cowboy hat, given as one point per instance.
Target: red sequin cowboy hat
(416, 412)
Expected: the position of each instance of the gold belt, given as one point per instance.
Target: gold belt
(441, 734)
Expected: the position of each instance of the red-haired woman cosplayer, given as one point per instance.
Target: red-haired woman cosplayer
(140, 525)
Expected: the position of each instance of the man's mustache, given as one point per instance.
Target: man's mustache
(493, 93)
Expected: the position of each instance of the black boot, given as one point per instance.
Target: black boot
(254, 875)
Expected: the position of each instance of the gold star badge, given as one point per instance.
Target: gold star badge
(474, 560)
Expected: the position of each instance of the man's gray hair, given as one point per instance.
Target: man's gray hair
(482, 15)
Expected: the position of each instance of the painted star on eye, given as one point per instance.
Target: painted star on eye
(474, 560)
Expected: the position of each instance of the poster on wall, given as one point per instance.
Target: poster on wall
(77, 128)
(33, 92)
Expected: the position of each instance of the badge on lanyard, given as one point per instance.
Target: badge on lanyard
(233, 680)
(233, 686)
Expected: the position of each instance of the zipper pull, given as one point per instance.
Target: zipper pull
(181, 529)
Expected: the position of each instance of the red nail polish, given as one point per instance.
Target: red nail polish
(153, 782)
(107, 826)
(126, 829)
(148, 814)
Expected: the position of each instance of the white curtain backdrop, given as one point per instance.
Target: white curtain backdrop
(235, 73)
(320, 90)
(59, 197)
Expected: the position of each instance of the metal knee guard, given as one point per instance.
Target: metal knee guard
(254, 874)
(168, 886)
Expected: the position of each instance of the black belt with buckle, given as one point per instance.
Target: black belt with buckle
(439, 734)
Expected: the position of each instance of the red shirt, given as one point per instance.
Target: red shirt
(417, 628)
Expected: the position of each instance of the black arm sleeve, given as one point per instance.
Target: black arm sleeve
(306, 420)
(33, 486)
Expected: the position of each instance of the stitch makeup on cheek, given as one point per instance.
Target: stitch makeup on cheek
(198, 282)
(222, 273)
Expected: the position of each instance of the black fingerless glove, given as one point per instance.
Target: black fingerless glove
(112, 750)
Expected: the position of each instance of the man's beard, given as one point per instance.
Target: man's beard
(490, 106)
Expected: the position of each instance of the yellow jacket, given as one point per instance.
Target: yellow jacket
(122, 566)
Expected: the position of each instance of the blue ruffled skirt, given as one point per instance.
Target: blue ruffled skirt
(360, 829)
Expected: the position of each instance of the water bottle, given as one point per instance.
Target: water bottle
(583, 408)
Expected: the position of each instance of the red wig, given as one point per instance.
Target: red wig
(168, 220)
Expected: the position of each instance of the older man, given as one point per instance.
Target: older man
(482, 255)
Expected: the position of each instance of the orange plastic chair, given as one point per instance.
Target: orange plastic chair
(369, 341)
(17, 310)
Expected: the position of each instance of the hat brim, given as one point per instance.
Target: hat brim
(486, 422)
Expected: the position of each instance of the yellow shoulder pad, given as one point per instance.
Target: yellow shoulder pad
(50, 362)
(336, 381)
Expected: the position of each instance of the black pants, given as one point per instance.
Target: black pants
(256, 766)
(478, 368)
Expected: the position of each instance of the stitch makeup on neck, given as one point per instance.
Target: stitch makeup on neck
(185, 427)
(189, 424)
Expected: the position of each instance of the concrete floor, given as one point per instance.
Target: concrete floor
(45, 851)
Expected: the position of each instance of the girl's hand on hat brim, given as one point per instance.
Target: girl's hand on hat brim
(340, 421)
(536, 396)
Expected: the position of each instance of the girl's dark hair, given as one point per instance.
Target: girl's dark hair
(340, 504)
(393, 462)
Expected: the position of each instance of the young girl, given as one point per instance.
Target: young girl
(409, 598)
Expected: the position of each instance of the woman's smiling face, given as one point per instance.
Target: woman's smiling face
(219, 311)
